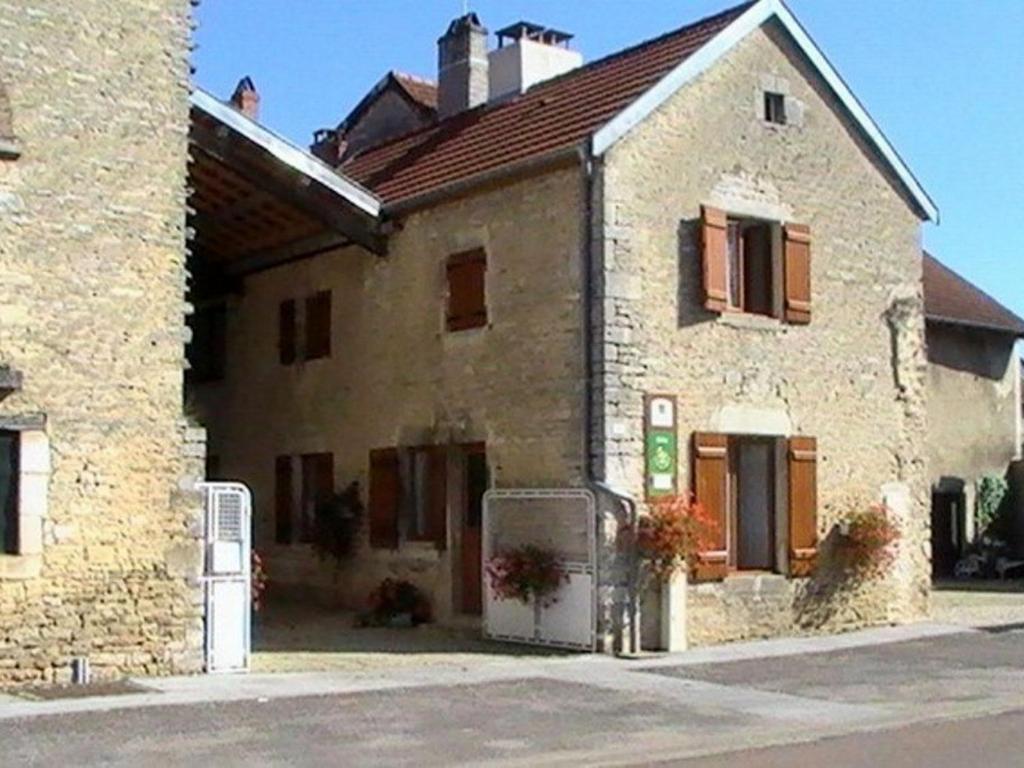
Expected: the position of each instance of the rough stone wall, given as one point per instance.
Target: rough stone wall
(972, 404)
(396, 377)
(92, 273)
(853, 378)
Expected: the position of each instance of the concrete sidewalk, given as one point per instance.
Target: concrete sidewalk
(255, 686)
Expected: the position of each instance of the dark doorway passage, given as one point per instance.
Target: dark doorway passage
(947, 531)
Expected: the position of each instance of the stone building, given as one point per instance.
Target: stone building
(974, 412)
(99, 558)
(709, 219)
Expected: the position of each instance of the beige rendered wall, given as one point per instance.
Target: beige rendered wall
(92, 273)
(853, 378)
(396, 377)
(973, 408)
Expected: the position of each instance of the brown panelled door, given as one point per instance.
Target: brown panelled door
(710, 486)
(476, 480)
(803, 505)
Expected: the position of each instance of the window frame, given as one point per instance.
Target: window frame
(736, 237)
(775, 108)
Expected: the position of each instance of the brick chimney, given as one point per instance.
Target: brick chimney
(246, 99)
(462, 81)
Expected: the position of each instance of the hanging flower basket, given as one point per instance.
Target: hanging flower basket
(527, 573)
(867, 547)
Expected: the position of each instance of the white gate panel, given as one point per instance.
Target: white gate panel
(564, 522)
(227, 576)
(570, 621)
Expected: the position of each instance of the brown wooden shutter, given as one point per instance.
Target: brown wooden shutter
(437, 503)
(283, 500)
(803, 505)
(317, 488)
(798, 273)
(286, 332)
(715, 258)
(710, 487)
(467, 301)
(318, 325)
(385, 497)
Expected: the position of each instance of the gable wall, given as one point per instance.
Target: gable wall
(389, 116)
(92, 274)
(838, 379)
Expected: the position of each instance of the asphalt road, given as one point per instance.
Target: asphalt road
(995, 741)
(844, 707)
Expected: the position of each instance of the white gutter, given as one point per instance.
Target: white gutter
(287, 153)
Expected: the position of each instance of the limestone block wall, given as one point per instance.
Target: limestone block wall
(853, 378)
(92, 275)
(396, 377)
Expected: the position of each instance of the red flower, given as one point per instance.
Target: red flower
(526, 572)
(672, 534)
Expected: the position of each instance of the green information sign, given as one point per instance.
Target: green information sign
(662, 459)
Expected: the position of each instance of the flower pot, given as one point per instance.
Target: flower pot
(673, 613)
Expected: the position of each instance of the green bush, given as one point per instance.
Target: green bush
(993, 497)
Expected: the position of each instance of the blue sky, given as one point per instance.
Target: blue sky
(943, 78)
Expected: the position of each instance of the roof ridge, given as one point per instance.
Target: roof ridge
(735, 10)
(398, 74)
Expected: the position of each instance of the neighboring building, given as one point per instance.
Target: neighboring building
(396, 105)
(99, 556)
(974, 395)
(709, 215)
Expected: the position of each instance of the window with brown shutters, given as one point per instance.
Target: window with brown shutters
(797, 257)
(755, 266)
(283, 499)
(737, 479)
(385, 498)
(467, 300)
(317, 489)
(803, 505)
(318, 326)
(286, 332)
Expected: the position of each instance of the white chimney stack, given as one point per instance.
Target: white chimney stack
(528, 54)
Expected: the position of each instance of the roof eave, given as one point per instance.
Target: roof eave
(288, 153)
(722, 43)
(973, 324)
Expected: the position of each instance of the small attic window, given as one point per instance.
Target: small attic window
(774, 108)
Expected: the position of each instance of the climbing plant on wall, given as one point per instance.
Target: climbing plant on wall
(992, 496)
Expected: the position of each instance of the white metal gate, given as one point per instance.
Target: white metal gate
(227, 576)
(564, 522)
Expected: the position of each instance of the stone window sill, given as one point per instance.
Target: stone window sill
(752, 322)
(20, 567)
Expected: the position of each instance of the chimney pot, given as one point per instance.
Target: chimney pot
(246, 99)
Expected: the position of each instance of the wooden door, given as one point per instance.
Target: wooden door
(476, 480)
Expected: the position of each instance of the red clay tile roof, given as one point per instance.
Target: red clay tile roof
(550, 116)
(423, 92)
(952, 299)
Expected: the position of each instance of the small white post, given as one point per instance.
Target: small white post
(673, 612)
